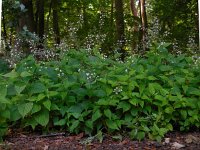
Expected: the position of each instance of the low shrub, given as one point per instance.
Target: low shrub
(85, 92)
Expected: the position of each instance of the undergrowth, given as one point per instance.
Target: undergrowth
(86, 92)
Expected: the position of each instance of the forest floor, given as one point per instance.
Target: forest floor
(61, 141)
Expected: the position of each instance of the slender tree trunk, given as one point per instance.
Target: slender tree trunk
(36, 17)
(135, 26)
(48, 17)
(133, 8)
(199, 22)
(41, 20)
(5, 35)
(120, 26)
(56, 28)
(4, 26)
(0, 21)
(111, 13)
(143, 17)
(85, 19)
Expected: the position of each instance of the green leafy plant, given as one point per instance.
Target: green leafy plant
(84, 92)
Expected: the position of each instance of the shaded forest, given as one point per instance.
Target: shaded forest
(125, 26)
(96, 67)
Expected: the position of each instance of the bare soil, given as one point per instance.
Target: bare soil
(61, 141)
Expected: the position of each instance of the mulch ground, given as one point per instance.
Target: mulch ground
(59, 141)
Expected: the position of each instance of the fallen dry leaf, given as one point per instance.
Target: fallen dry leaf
(192, 139)
(46, 147)
(167, 140)
(176, 145)
(124, 142)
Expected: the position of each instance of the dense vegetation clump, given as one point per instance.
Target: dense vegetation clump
(86, 92)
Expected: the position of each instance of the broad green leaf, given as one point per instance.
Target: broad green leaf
(36, 108)
(24, 109)
(99, 136)
(166, 44)
(134, 112)
(162, 131)
(3, 91)
(152, 78)
(180, 80)
(165, 68)
(52, 93)
(175, 90)
(140, 135)
(25, 74)
(185, 88)
(141, 104)
(42, 117)
(169, 110)
(54, 107)
(97, 114)
(117, 137)
(109, 91)
(142, 88)
(100, 93)
(51, 73)
(4, 100)
(194, 91)
(74, 125)
(32, 99)
(75, 109)
(192, 112)
(151, 89)
(37, 87)
(128, 118)
(145, 128)
(5, 114)
(169, 127)
(89, 124)
(113, 102)
(61, 122)
(76, 115)
(11, 74)
(19, 89)
(140, 76)
(122, 78)
(47, 104)
(41, 97)
(163, 92)
(134, 101)
(31, 122)
(124, 105)
(159, 97)
(102, 102)
(158, 138)
(112, 124)
(14, 114)
(80, 91)
(108, 113)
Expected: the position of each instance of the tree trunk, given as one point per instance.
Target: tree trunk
(85, 18)
(27, 19)
(41, 20)
(143, 17)
(4, 26)
(48, 17)
(120, 26)
(111, 13)
(55, 22)
(133, 8)
(4, 30)
(135, 25)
